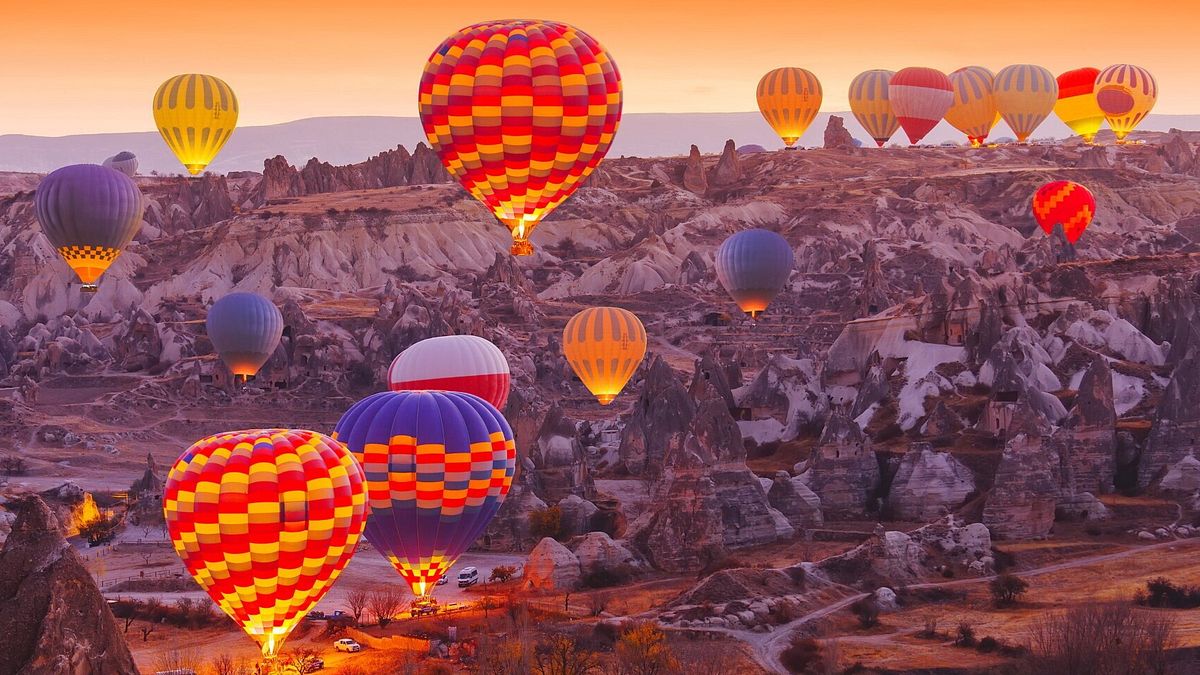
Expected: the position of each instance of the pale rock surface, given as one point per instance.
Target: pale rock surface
(928, 484)
(552, 567)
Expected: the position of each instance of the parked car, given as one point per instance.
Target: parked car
(442, 580)
(468, 577)
(347, 645)
(312, 664)
(337, 615)
(423, 606)
(315, 615)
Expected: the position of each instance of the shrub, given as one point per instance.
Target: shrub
(1162, 592)
(502, 573)
(724, 562)
(1006, 589)
(867, 611)
(546, 522)
(931, 626)
(797, 575)
(642, 649)
(360, 374)
(13, 465)
(988, 644)
(604, 577)
(965, 635)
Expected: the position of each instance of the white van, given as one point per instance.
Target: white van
(468, 577)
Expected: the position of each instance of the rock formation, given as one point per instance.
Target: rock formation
(1022, 500)
(1177, 420)
(728, 170)
(694, 176)
(659, 423)
(1086, 447)
(843, 471)
(837, 137)
(54, 618)
(791, 497)
(928, 484)
(552, 567)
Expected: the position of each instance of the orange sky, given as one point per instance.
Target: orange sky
(84, 66)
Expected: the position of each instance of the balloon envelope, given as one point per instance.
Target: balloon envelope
(753, 266)
(438, 466)
(89, 213)
(871, 106)
(973, 111)
(463, 363)
(124, 161)
(265, 520)
(195, 114)
(245, 329)
(1025, 95)
(604, 346)
(520, 112)
(1126, 93)
(1076, 105)
(1065, 203)
(789, 99)
(920, 97)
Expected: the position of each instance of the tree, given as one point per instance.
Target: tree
(1103, 639)
(867, 611)
(384, 603)
(13, 465)
(561, 656)
(545, 522)
(357, 601)
(642, 649)
(510, 655)
(146, 631)
(598, 602)
(294, 660)
(502, 573)
(1007, 589)
(178, 658)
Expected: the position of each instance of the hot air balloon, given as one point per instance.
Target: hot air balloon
(604, 346)
(438, 466)
(455, 363)
(1025, 95)
(1126, 94)
(265, 520)
(1064, 203)
(973, 111)
(195, 114)
(871, 106)
(124, 161)
(89, 213)
(753, 266)
(245, 329)
(789, 99)
(521, 112)
(920, 97)
(1077, 106)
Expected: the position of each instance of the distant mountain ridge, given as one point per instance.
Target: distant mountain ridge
(345, 140)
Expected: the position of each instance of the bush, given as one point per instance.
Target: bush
(725, 562)
(797, 575)
(802, 656)
(360, 374)
(502, 573)
(642, 649)
(1162, 592)
(605, 577)
(546, 522)
(867, 611)
(989, 644)
(965, 635)
(13, 465)
(1006, 589)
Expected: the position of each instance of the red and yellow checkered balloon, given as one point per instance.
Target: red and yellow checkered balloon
(266, 520)
(520, 113)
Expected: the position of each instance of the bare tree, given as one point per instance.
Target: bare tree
(561, 656)
(598, 603)
(178, 658)
(384, 603)
(357, 600)
(146, 631)
(1102, 639)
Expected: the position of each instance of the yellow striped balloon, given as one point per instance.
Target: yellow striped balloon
(195, 114)
(789, 99)
(973, 111)
(604, 346)
(871, 106)
(1025, 96)
(1126, 93)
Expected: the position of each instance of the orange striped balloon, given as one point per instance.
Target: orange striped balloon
(789, 99)
(973, 111)
(1126, 93)
(871, 106)
(266, 520)
(1025, 96)
(604, 346)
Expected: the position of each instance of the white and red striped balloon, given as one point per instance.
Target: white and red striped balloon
(920, 98)
(463, 363)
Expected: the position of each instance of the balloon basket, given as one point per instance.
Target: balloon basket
(521, 248)
(88, 288)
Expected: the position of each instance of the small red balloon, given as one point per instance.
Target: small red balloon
(1066, 203)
